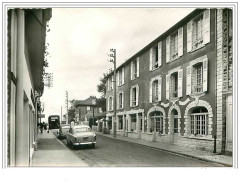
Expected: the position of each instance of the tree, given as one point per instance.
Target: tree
(71, 110)
(102, 103)
(101, 88)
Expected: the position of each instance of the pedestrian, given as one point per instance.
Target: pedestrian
(41, 127)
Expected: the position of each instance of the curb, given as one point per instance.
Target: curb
(176, 153)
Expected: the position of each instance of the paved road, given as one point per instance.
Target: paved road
(115, 153)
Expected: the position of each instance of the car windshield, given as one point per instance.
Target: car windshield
(82, 129)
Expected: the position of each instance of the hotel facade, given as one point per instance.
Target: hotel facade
(178, 89)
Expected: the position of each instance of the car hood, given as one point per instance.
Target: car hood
(84, 134)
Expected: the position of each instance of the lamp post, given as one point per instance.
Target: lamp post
(113, 60)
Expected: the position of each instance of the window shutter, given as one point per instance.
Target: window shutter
(118, 100)
(189, 36)
(180, 41)
(160, 89)
(205, 74)
(108, 103)
(123, 75)
(138, 67)
(167, 86)
(151, 60)
(168, 49)
(122, 99)
(131, 97)
(180, 79)
(137, 94)
(206, 26)
(189, 79)
(131, 70)
(150, 92)
(160, 53)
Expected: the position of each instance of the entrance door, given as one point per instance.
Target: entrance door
(229, 127)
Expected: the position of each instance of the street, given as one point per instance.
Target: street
(116, 153)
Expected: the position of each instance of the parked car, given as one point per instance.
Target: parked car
(62, 132)
(81, 135)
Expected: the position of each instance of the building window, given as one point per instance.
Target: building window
(100, 110)
(133, 122)
(197, 76)
(174, 46)
(156, 122)
(174, 85)
(199, 121)
(120, 100)
(155, 87)
(155, 57)
(134, 69)
(110, 83)
(120, 122)
(198, 32)
(110, 103)
(155, 91)
(134, 96)
(134, 93)
(120, 77)
(88, 108)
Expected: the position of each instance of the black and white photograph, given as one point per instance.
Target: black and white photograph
(125, 85)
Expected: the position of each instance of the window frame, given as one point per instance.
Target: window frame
(134, 96)
(196, 41)
(193, 118)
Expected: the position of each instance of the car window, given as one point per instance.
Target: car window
(82, 129)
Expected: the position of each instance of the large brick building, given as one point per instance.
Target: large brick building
(86, 110)
(178, 89)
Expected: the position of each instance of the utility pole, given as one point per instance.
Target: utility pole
(67, 106)
(113, 59)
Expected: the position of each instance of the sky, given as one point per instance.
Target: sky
(80, 40)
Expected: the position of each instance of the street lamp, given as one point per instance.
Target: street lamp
(113, 60)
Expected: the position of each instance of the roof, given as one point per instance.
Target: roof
(91, 101)
(161, 37)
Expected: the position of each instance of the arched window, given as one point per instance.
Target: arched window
(199, 121)
(156, 122)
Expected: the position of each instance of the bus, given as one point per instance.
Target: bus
(53, 122)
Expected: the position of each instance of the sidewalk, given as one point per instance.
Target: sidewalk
(53, 153)
(199, 154)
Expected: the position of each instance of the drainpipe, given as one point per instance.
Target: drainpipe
(215, 132)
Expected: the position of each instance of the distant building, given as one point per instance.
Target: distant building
(86, 110)
(26, 46)
(178, 89)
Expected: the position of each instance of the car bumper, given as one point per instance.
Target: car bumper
(84, 143)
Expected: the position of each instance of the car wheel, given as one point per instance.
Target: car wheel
(93, 145)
